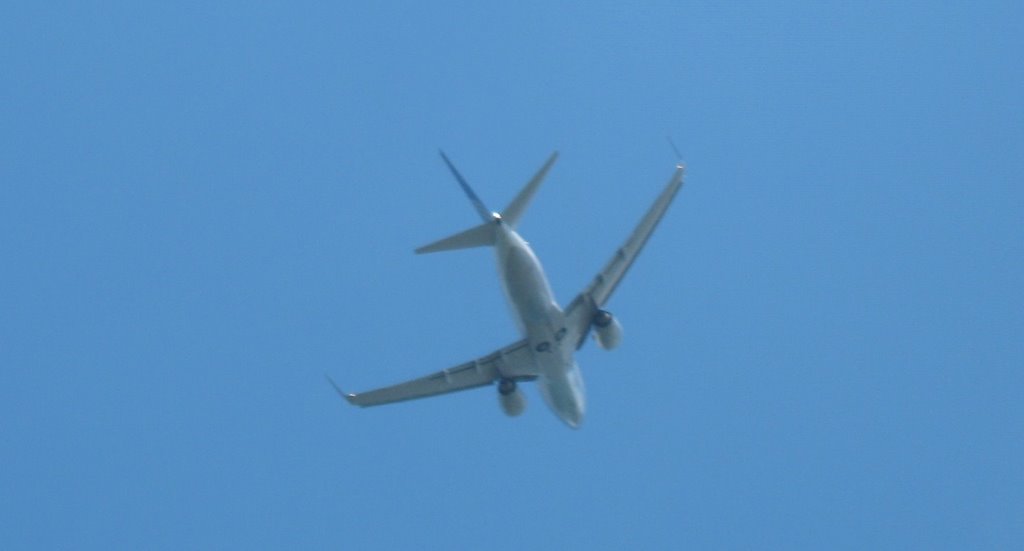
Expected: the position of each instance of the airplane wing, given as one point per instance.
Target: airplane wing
(581, 310)
(514, 361)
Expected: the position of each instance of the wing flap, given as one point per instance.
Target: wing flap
(512, 362)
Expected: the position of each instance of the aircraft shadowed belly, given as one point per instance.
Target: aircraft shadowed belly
(527, 290)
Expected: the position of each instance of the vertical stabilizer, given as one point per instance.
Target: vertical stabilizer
(481, 209)
(485, 234)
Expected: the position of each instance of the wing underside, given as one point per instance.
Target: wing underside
(511, 362)
(581, 310)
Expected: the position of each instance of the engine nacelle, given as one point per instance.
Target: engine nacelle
(512, 400)
(607, 330)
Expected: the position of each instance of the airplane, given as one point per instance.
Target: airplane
(549, 334)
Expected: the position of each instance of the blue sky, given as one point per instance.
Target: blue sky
(203, 209)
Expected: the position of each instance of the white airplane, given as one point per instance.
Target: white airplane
(550, 335)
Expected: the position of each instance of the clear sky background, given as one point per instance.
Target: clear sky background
(205, 208)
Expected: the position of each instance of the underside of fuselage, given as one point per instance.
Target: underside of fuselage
(541, 320)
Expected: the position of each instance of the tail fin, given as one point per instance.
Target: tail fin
(482, 210)
(477, 236)
(514, 211)
(485, 234)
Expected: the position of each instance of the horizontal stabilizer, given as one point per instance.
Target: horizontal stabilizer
(477, 236)
(514, 211)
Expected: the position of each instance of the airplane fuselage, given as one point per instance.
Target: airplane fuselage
(542, 322)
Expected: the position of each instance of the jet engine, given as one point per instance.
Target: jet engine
(512, 400)
(607, 331)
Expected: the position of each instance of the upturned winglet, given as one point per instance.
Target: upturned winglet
(347, 396)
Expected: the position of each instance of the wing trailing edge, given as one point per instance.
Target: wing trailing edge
(514, 362)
